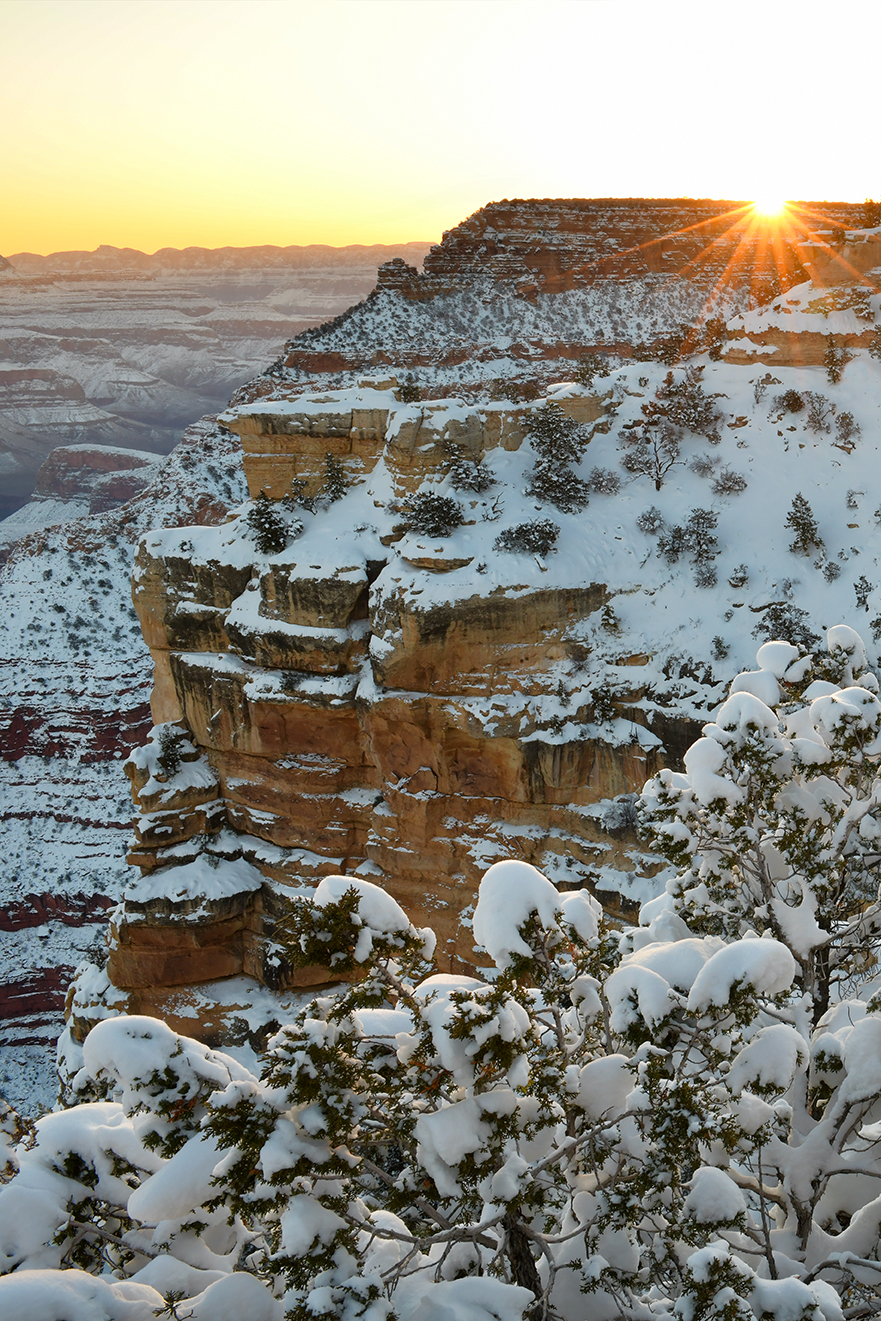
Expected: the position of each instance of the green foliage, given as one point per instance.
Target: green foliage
(336, 483)
(802, 522)
(269, 529)
(537, 536)
(433, 515)
(555, 437)
(169, 758)
(835, 359)
(558, 486)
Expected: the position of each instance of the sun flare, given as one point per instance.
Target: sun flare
(769, 206)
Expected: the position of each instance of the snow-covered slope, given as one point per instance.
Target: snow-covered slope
(74, 690)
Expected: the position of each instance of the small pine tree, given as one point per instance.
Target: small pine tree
(834, 360)
(336, 482)
(269, 528)
(801, 521)
(555, 437)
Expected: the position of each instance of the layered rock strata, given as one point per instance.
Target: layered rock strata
(540, 280)
(378, 706)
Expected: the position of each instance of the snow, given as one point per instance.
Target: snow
(74, 1295)
(713, 1197)
(305, 1221)
(604, 1085)
(862, 1061)
(471, 1299)
(770, 1060)
(180, 1185)
(766, 966)
(207, 877)
(510, 893)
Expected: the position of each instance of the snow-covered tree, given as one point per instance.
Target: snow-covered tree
(268, 528)
(803, 523)
(434, 515)
(679, 1121)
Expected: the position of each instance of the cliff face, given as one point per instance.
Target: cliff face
(520, 285)
(342, 710)
(372, 700)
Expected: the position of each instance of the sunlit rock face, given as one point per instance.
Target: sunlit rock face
(372, 700)
(363, 701)
(522, 284)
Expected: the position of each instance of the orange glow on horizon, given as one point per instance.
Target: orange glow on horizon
(214, 123)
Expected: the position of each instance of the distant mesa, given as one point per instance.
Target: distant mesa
(107, 259)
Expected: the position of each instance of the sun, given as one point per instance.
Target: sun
(769, 206)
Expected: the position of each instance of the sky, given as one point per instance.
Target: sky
(170, 123)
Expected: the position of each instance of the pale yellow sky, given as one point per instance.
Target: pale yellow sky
(152, 123)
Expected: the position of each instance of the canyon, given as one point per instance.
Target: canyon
(408, 708)
(115, 347)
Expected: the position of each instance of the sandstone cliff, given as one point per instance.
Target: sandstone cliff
(364, 701)
(521, 285)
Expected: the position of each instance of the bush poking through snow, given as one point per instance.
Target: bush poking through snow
(847, 429)
(471, 475)
(729, 482)
(820, 409)
(558, 486)
(789, 402)
(604, 481)
(651, 521)
(433, 515)
(537, 536)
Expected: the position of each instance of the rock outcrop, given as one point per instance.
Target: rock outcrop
(522, 284)
(380, 711)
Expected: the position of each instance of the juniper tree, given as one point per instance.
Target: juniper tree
(835, 360)
(537, 536)
(434, 515)
(558, 485)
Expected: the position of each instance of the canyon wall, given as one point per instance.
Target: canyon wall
(369, 708)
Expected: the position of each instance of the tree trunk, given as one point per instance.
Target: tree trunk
(523, 1267)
